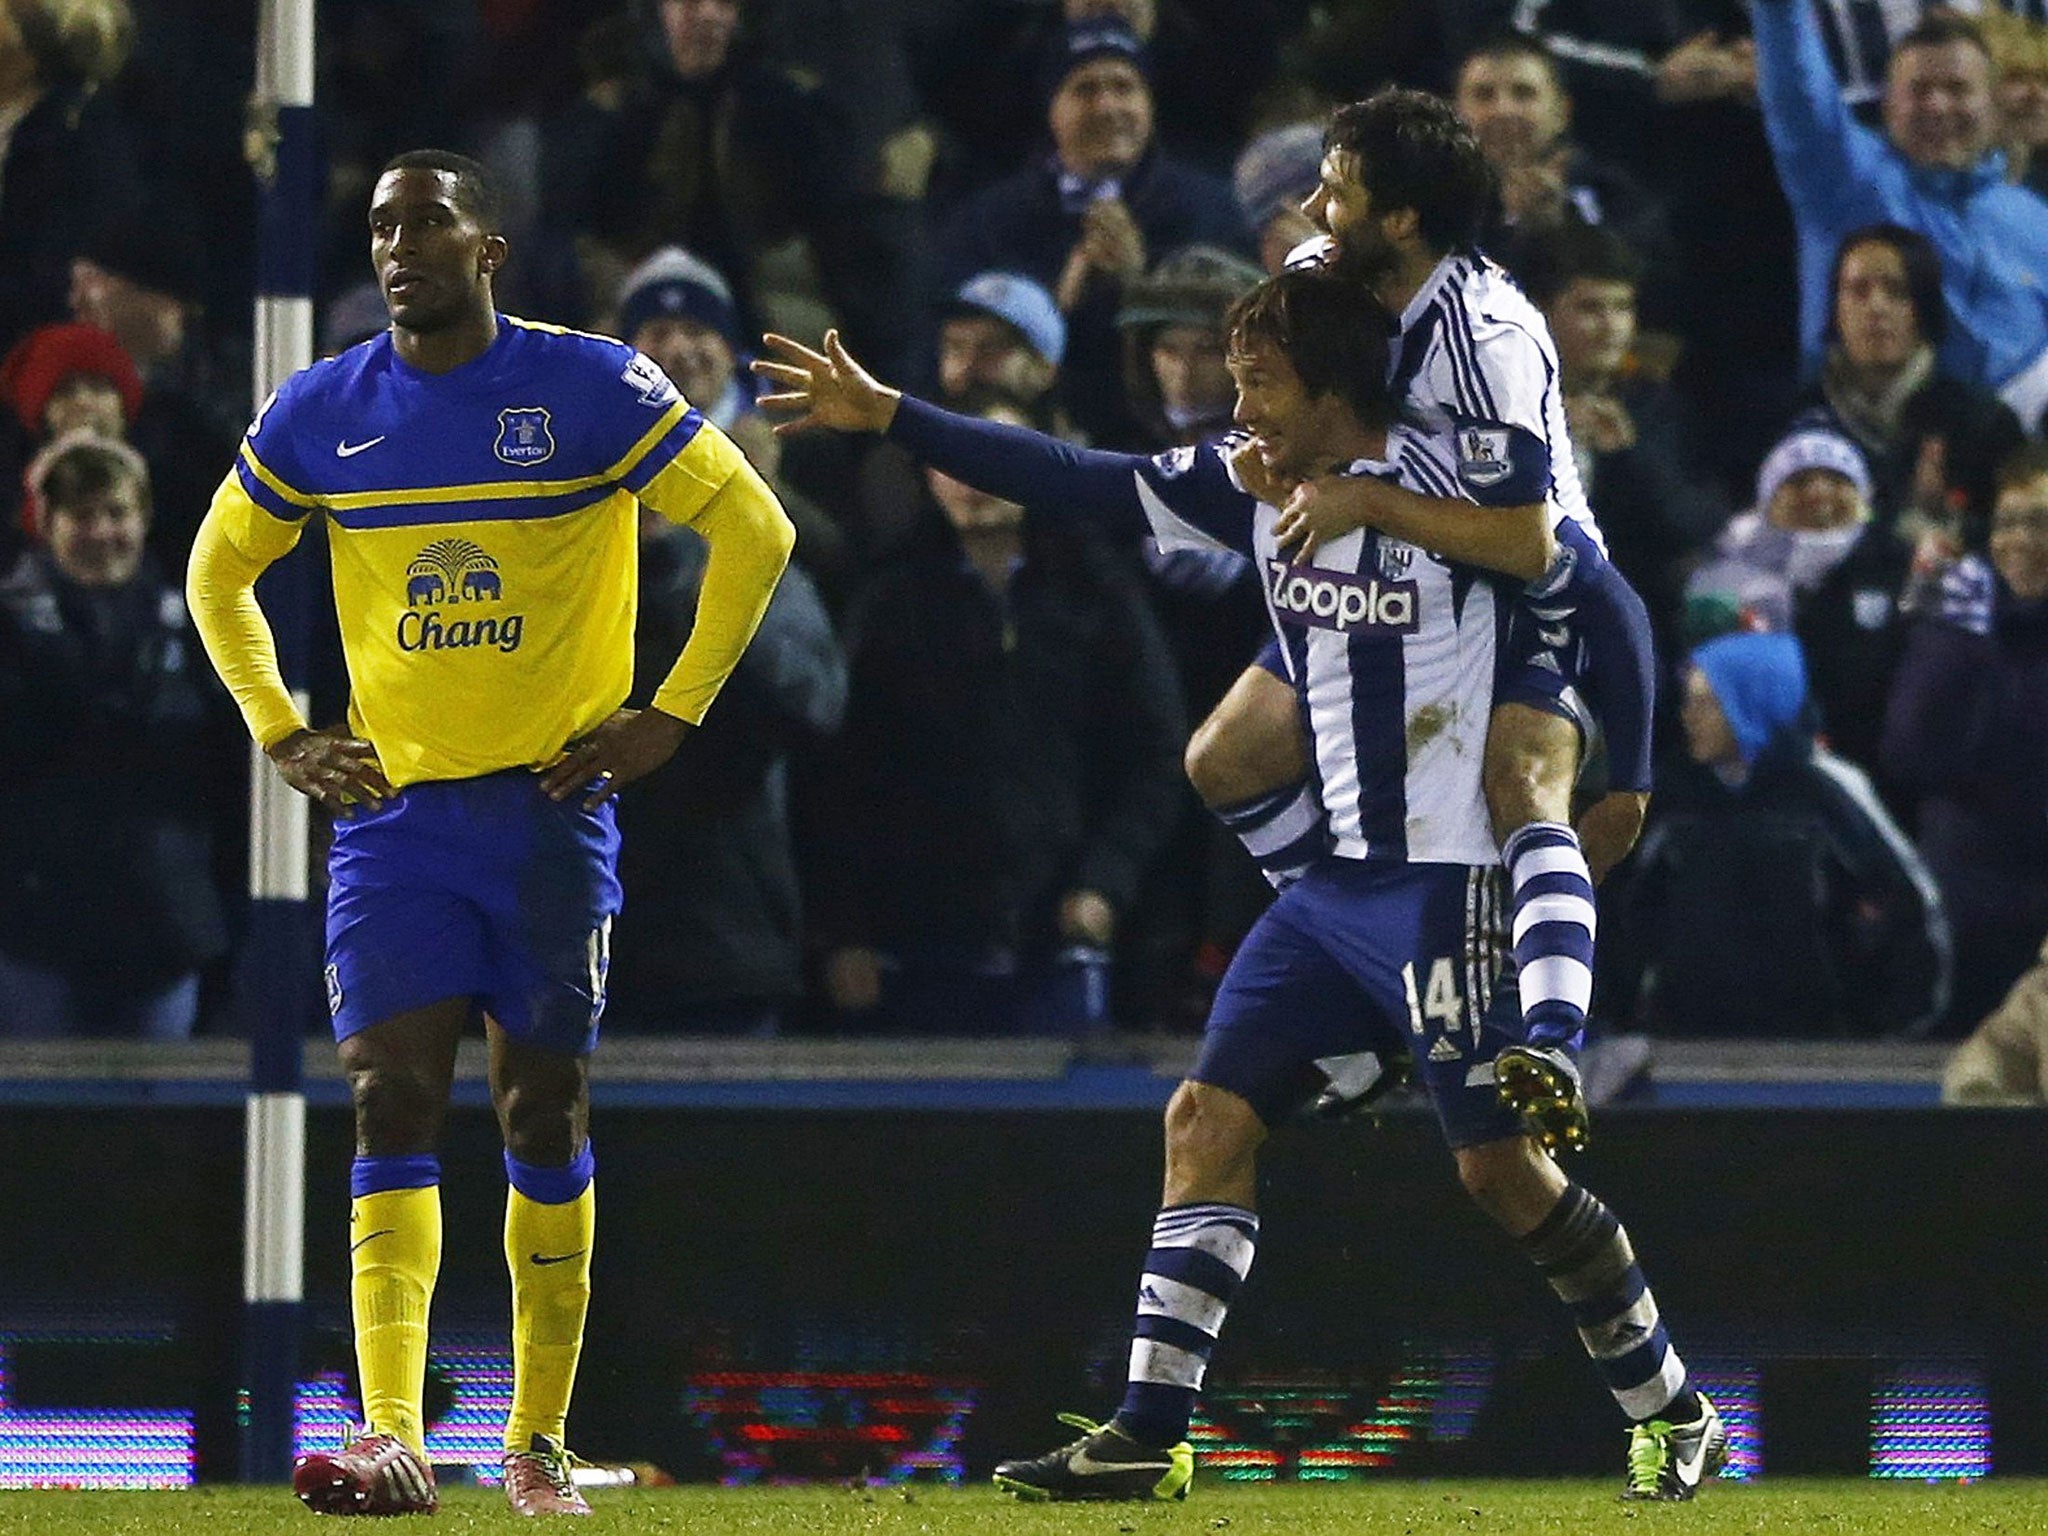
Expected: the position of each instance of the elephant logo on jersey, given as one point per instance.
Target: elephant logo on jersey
(447, 573)
(451, 571)
(523, 436)
(1483, 459)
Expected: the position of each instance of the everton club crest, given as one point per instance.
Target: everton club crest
(523, 436)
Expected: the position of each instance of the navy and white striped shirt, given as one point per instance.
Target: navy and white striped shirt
(1391, 647)
(1474, 367)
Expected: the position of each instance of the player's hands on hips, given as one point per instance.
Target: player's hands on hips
(1321, 511)
(628, 745)
(338, 770)
(823, 389)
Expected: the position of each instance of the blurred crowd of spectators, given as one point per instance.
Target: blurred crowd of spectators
(1792, 252)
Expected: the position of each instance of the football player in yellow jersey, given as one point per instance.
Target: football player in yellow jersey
(480, 478)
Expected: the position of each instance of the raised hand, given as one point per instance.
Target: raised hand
(823, 389)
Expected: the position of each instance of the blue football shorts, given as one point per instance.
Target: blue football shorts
(481, 888)
(1360, 955)
(1589, 658)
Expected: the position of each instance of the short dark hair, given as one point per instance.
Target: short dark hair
(1414, 151)
(1556, 258)
(475, 187)
(1510, 44)
(1923, 277)
(1329, 328)
(1941, 28)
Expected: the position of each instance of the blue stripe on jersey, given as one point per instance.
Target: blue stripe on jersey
(1295, 640)
(1463, 580)
(457, 509)
(1413, 353)
(1447, 337)
(664, 452)
(264, 497)
(1425, 471)
(1461, 332)
(1379, 729)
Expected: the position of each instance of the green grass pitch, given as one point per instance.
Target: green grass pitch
(1999, 1507)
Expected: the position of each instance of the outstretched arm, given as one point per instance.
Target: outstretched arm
(829, 389)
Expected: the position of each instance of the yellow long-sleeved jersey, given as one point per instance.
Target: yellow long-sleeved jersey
(483, 530)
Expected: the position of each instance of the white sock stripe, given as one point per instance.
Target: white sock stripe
(1293, 821)
(1654, 1395)
(1208, 1211)
(1557, 978)
(1533, 837)
(1625, 1331)
(1226, 1243)
(1559, 907)
(1165, 1364)
(1184, 1221)
(1163, 1296)
(1550, 861)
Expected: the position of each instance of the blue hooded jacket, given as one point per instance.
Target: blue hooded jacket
(1760, 681)
(1839, 175)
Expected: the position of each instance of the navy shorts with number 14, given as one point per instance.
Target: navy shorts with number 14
(1369, 955)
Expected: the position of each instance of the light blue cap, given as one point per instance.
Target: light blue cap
(1020, 302)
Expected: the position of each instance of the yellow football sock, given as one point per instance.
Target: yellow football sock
(548, 1249)
(394, 1256)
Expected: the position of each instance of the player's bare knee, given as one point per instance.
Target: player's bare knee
(1230, 763)
(1203, 760)
(542, 1124)
(1531, 764)
(1212, 1136)
(398, 1108)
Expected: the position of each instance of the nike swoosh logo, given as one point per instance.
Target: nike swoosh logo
(352, 1247)
(350, 450)
(558, 1258)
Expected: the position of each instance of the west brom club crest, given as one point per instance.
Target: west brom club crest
(523, 435)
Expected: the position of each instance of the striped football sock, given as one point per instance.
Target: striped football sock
(394, 1227)
(1200, 1256)
(1553, 931)
(1285, 831)
(1584, 1253)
